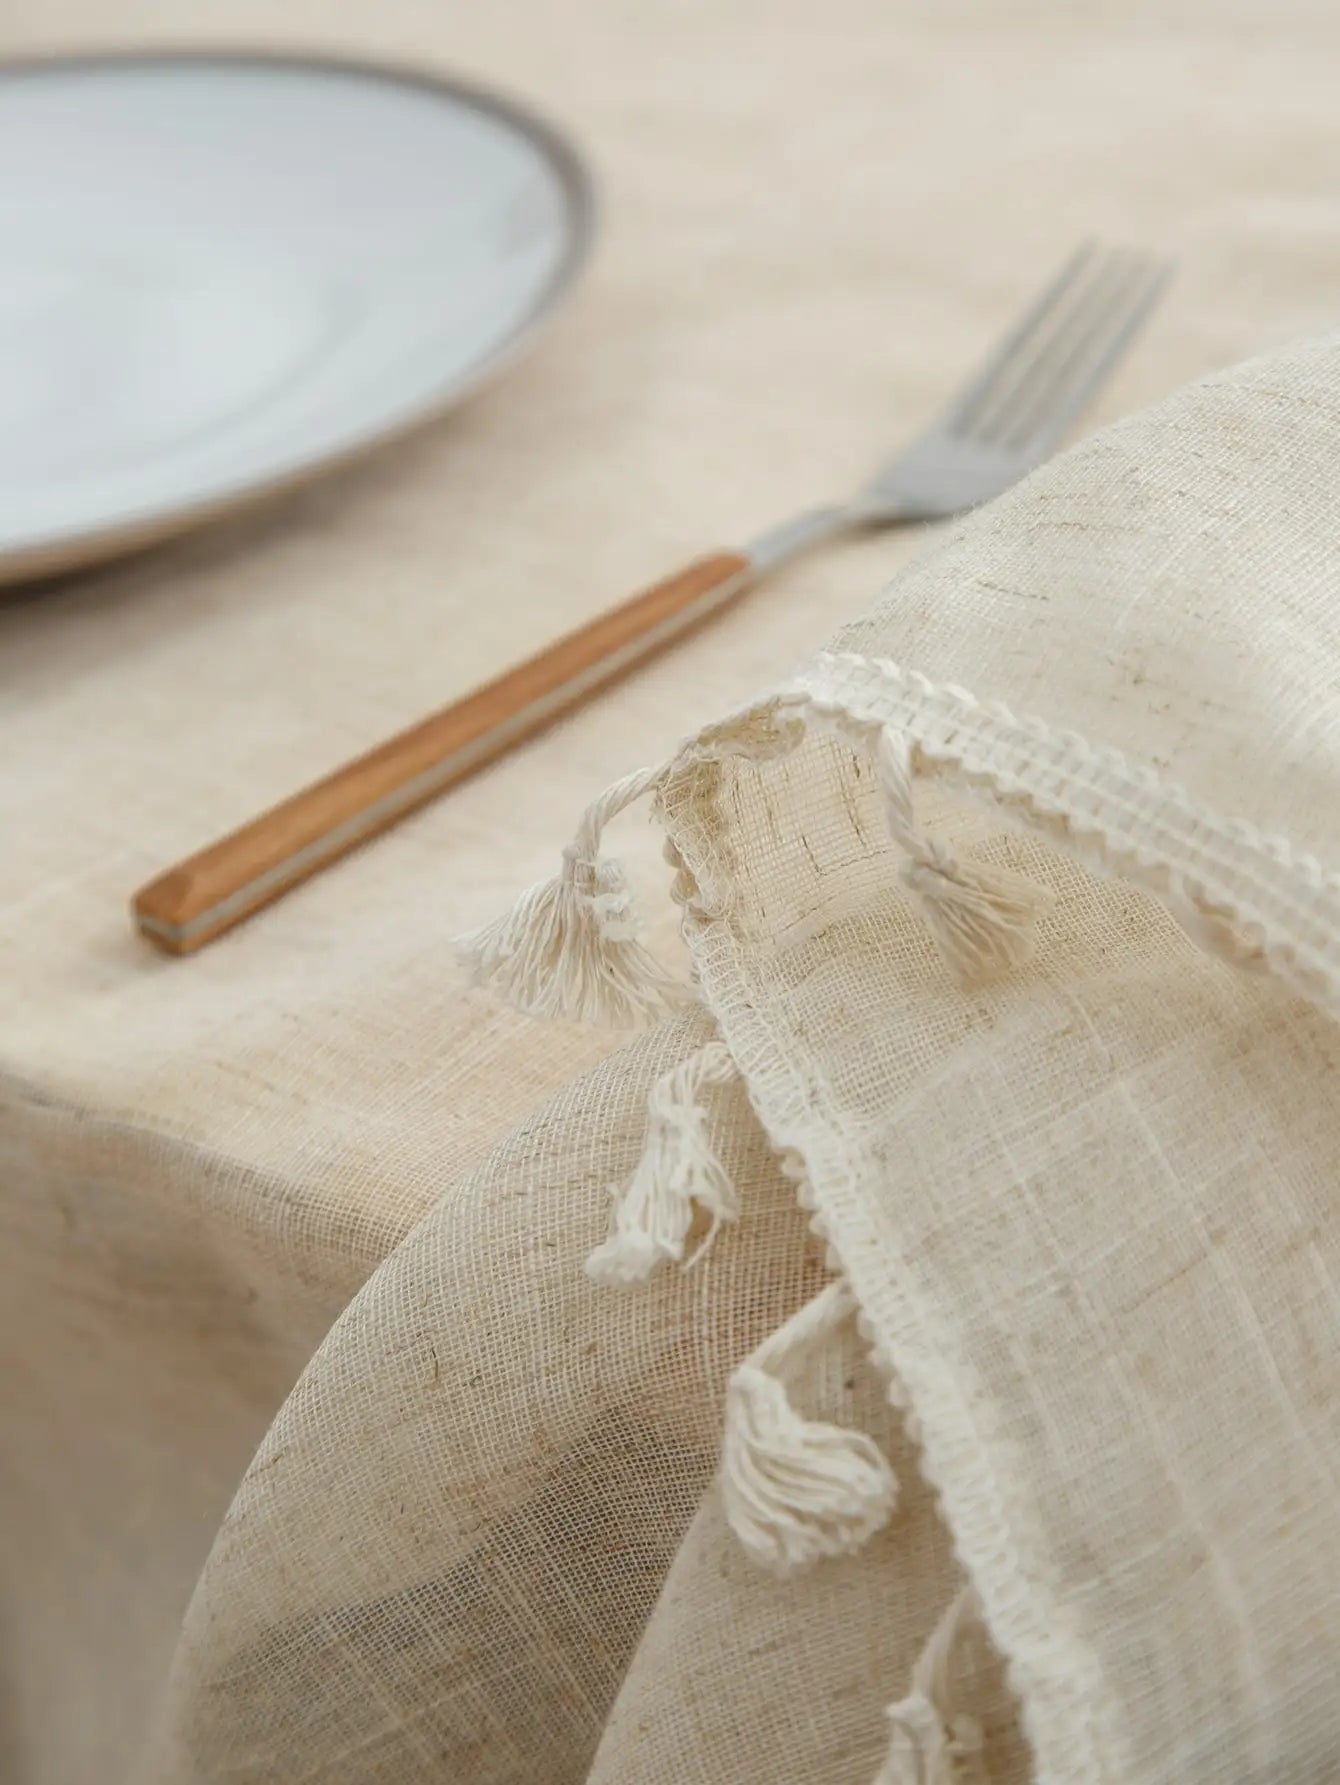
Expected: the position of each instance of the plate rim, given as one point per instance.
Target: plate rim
(56, 553)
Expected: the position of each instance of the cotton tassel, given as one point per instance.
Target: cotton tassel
(928, 1743)
(678, 1170)
(796, 1489)
(982, 918)
(568, 947)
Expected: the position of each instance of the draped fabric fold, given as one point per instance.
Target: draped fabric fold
(1021, 1332)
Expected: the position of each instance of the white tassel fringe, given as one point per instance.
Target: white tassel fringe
(982, 918)
(928, 1743)
(678, 1170)
(568, 947)
(796, 1489)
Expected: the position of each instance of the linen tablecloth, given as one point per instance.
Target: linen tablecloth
(814, 218)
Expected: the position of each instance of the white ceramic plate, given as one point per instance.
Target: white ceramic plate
(221, 273)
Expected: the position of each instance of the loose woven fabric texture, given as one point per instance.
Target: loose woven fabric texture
(949, 1390)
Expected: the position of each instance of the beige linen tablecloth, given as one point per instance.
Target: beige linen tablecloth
(814, 218)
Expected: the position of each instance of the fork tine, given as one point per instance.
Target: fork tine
(1031, 376)
(1018, 405)
(1037, 381)
(957, 417)
(1121, 324)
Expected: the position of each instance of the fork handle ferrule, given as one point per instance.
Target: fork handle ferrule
(792, 537)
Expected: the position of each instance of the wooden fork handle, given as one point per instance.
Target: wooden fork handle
(210, 892)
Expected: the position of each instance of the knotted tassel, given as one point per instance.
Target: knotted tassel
(568, 947)
(982, 918)
(796, 1489)
(678, 1170)
(928, 1743)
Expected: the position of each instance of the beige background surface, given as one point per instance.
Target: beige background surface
(814, 218)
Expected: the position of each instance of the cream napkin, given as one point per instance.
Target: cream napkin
(1018, 971)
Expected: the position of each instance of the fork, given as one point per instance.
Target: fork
(1007, 419)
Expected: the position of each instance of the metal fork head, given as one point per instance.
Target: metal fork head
(1017, 408)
